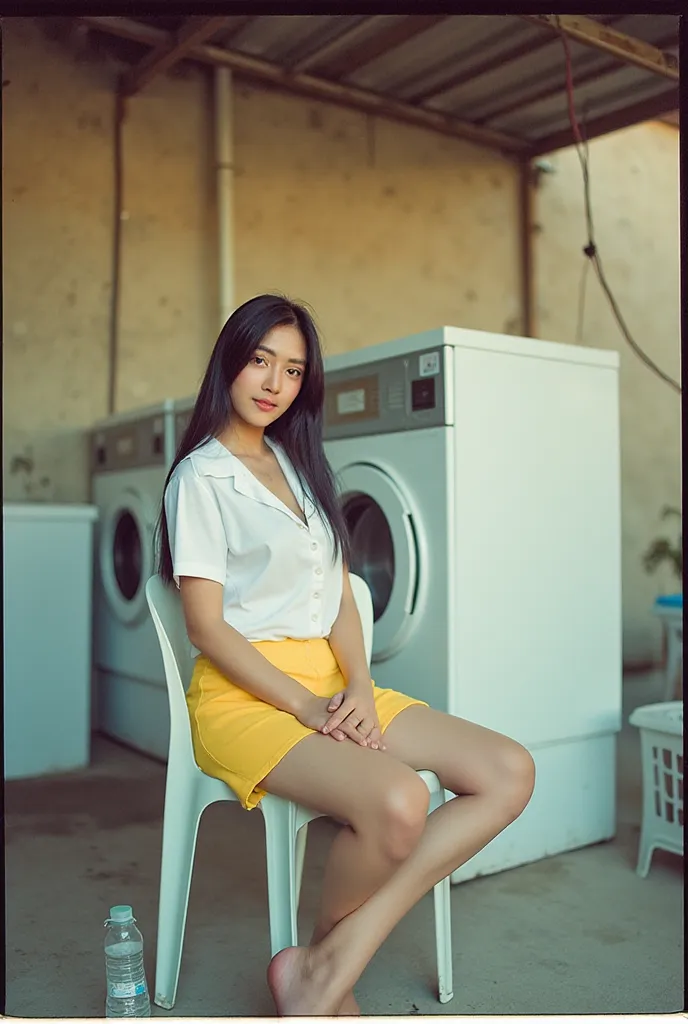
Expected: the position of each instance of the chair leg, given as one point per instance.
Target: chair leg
(443, 940)
(280, 849)
(645, 851)
(180, 829)
(443, 936)
(674, 656)
(301, 839)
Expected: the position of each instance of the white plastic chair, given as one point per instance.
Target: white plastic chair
(189, 791)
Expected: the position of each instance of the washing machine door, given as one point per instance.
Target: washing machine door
(384, 551)
(127, 554)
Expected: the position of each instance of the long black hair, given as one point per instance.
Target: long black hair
(298, 430)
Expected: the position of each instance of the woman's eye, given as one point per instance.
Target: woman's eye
(260, 360)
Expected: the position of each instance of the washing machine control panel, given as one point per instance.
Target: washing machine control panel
(423, 394)
(406, 392)
(182, 419)
(128, 445)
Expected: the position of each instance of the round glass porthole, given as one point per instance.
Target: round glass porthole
(384, 550)
(126, 555)
(372, 548)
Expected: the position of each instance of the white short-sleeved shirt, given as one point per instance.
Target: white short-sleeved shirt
(223, 524)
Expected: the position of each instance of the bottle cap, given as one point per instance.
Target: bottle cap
(121, 914)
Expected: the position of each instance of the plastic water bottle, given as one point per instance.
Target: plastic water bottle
(127, 991)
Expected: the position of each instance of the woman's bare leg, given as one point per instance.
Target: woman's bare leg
(495, 774)
(352, 874)
(385, 804)
(349, 1006)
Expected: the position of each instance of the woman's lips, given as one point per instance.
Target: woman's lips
(265, 406)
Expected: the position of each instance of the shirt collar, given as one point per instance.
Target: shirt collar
(213, 459)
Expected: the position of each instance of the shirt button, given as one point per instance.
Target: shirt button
(314, 546)
(314, 618)
(318, 571)
(316, 594)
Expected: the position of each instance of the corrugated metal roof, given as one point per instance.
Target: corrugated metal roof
(500, 74)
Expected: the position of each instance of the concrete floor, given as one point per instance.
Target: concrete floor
(579, 933)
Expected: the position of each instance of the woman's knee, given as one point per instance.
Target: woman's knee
(514, 778)
(400, 814)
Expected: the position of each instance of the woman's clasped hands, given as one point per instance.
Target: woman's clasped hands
(349, 714)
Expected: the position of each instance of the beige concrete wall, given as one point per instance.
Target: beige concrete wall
(384, 229)
(634, 177)
(57, 243)
(55, 262)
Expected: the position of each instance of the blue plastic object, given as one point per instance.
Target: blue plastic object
(670, 601)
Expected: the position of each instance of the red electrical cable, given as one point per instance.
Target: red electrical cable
(569, 92)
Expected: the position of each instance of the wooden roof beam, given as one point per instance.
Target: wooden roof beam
(625, 48)
(332, 47)
(390, 37)
(579, 80)
(485, 67)
(195, 30)
(470, 74)
(317, 88)
(645, 110)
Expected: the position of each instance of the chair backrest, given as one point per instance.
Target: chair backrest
(177, 654)
(364, 603)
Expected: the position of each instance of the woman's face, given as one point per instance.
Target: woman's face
(271, 379)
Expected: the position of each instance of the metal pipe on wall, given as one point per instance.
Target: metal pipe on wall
(224, 168)
(117, 200)
(526, 232)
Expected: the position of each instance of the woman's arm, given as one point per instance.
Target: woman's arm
(346, 641)
(232, 653)
(353, 708)
(237, 658)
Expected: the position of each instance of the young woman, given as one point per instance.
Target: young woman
(281, 700)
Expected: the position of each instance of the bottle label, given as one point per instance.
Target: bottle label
(126, 989)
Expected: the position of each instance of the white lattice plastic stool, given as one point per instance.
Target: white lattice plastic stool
(669, 610)
(661, 744)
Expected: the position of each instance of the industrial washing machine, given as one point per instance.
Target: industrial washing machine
(479, 475)
(130, 457)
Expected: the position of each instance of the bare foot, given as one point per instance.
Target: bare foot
(349, 1007)
(299, 985)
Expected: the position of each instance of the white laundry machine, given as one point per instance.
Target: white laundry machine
(480, 479)
(183, 408)
(130, 457)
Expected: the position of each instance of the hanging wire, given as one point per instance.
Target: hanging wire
(582, 288)
(590, 250)
(581, 302)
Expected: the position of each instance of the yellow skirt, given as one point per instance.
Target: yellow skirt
(239, 738)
